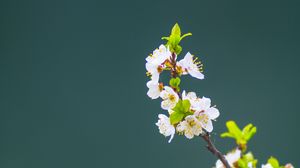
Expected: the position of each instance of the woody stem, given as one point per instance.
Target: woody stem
(210, 146)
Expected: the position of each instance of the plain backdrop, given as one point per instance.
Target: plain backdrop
(73, 83)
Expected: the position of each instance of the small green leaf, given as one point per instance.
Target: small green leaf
(174, 39)
(176, 30)
(246, 159)
(242, 163)
(182, 106)
(178, 49)
(249, 131)
(234, 129)
(185, 35)
(249, 156)
(181, 110)
(274, 162)
(227, 135)
(174, 82)
(165, 38)
(241, 137)
(176, 117)
(186, 105)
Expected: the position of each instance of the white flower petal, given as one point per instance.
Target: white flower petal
(164, 94)
(166, 105)
(212, 113)
(208, 126)
(188, 65)
(196, 73)
(184, 95)
(170, 98)
(231, 157)
(169, 90)
(172, 136)
(165, 127)
(181, 126)
(205, 103)
(267, 166)
(159, 55)
(192, 95)
(189, 134)
(154, 90)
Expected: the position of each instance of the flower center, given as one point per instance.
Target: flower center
(192, 123)
(172, 97)
(159, 69)
(198, 64)
(204, 118)
(160, 86)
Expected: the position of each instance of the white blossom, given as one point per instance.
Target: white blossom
(154, 70)
(189, 65)
(205, 113)
(155, 61)
(190, 127)
(159, 55)
(165, 127)
(288, 166)
(231, 158)
(154, 89)
(170, 98)
(268, 165)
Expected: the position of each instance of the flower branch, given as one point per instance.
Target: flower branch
(190, 115)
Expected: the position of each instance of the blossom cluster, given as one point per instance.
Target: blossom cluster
(190, 115)
(237, 159)
(196, 114)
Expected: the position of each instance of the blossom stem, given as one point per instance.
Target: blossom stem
(173, 70)
(211, 147)
(173, 62)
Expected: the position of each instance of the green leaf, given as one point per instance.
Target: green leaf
(178, 49)
(182, 106)
(176, 30)
(245, 159)
(185, 35)
(249, 131)
(165, 38)
(274, 162)
(174, 82)
(241, 136)
(242, 163)
(227, 135)
(186, 105)
(174, 39)
(234, 129)
(181, 110)
(249, 156)
(176, 117)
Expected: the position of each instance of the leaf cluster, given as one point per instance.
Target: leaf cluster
(246, 159)
(174, 39)
(181, 110)
(274, 162)
(241, 136)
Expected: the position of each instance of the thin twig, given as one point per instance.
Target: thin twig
(211, 147)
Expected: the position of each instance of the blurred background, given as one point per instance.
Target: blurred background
(73, 84)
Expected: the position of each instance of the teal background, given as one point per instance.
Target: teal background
(73, 84)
